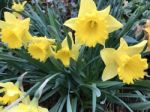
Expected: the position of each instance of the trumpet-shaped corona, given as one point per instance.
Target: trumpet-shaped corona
(92, 26)
(65, 54)
(126, 61)
(40, 48)
(132, 68)
(14, 31)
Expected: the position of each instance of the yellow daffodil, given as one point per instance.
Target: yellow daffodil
(18, 6)
(10, 93)
(131, 68)
(65, 54)
(14, 31)
(26, 108)
(40, 48)
(126, 61)
(92, 26)
(29, 106)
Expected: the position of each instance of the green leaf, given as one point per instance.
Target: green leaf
(113, 98)
(140, 106)
(56, 107)
(94, 99)
(69, 107)
(142, 83)
(62, 104)
(108, 84)
(74, 104)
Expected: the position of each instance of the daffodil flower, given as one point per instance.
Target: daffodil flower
(14, 31)
(92, 26)
(65, 54)
(21, 107)
(18, 6)
(126, 61)
(31, 106)
(10, 93)
(40, 48)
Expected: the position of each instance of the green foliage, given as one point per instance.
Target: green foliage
(78, 87)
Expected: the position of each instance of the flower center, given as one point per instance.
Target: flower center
(92, 24)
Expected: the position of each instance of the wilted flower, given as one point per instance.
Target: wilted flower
(92, 26)
(126, 61)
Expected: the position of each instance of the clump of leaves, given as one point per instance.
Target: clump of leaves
(78, 87)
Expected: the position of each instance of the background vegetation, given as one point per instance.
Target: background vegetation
(78, 86)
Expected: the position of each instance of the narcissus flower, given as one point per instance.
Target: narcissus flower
(92, 26)
(26, 108)
(65, 54)
(126, 61)
(30, 106)
(18, 6)
(14, 31)
(10, 93)
(40, 48)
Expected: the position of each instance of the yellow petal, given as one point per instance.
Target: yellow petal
(105, 12)
(66, 61)
(109, 72)
(3, 25)
(108, 56)
(86, 6)
(64, 55)
(123, 45)
(23, 3)
(13, 38)
(75, 51)
(113, 23)
(39, 48)
(65, 43)
(132, 50)
(25, 24)
(71, 23)
(138, 48)
(132, 69)
(9, 17)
